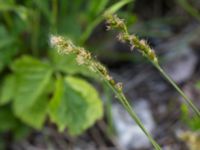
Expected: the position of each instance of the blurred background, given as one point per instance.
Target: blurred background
(35, 116)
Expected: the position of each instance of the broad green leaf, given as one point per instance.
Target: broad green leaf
(36, 114)
(75, 105)
(32, 77)
(7, 89)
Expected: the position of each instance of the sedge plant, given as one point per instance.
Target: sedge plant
(83, 57)
(115, 22)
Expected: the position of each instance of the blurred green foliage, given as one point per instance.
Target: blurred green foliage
(35, 81)
(192, 121)
(190, 9)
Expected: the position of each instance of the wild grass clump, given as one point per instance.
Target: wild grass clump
(83, 57)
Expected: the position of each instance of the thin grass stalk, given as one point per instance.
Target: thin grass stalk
(141, 45)
(121, 97)
(83, 57)
(187, 99)
(54, 14)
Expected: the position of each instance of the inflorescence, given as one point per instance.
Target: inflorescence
(141, 45)
(83, 57)
(116, 23)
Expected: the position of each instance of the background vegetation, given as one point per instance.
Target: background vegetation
(40, 89)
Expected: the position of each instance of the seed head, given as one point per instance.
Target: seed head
(114, 22)
(83, 57)
(142, 46)
(63, 46)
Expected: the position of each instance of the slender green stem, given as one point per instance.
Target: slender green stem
(147, 51)
(54, 14)
(129, 109)
(84, 58)
(108, 107)
(35, 32)
(187, 100)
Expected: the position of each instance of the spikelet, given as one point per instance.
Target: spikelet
(83, 57)
(116, 23)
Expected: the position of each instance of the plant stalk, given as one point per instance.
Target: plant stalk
(146, 50)
(121, 97)
(187, 100)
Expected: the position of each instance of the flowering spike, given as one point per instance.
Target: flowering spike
(83, 57)
(142, 46)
